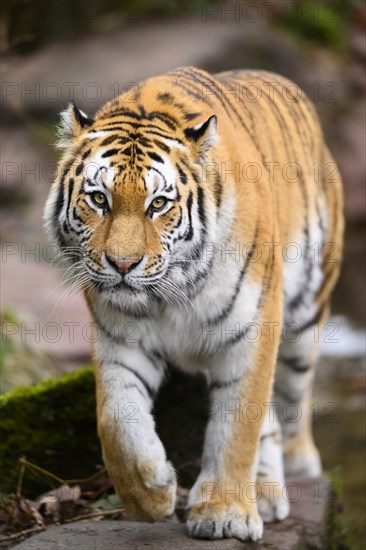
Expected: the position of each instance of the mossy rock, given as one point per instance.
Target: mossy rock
(53, 424)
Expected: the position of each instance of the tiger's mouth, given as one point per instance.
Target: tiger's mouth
(126, 282)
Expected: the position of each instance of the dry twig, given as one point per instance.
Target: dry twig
(92, 515)
(23, 533)
(25, 463)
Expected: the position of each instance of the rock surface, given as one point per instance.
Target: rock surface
(114, 535)
(301, 530)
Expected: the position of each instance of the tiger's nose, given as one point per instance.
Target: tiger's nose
(124, 265)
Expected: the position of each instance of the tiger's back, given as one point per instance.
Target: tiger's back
(269, 133)
(307, 187)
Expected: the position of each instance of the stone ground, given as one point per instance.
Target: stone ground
(301, 530)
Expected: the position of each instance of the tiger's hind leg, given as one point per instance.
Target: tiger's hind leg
(273, 503)
(297, 358)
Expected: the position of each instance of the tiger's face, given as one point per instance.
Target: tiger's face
(128, 209)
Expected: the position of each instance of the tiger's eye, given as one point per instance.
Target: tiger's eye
(159, 203)
(99, 198)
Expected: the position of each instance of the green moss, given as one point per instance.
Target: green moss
(317, 23)
(341, 442)
(337, 535)
(53, 424)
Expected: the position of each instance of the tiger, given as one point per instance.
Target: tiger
(201, 216)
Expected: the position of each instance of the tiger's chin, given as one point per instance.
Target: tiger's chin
(136, 298)
(134, 302)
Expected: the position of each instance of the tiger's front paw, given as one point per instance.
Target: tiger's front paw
(149, 493)
(217, 520)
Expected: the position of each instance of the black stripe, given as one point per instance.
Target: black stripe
(165, 97)
(186, 89)
(182, 175)
(60, 198)
(124, 112)
(191, 116)
(135, 387)
(267, 274)
(286, 135)
(160, 174)
(189, 235)
(201, 276)
(217, 189)
(143, 141)
(165, 118)
(164, 136)
(311, 113)
(235, 338)
(279, 118)
(261, 113)
(220, 384)
(229, 80)
(127, 151)
(149, 128)
(185, 83)
(201, 208)
(217, 91)
(79, 168)
(162, 146)
(156, 358)
(110, 139)
(190, 75)
(195, 176)
(314, 320)
(271, 434)
(67, 224)
(58, 208)
(150, 391)
(295, 363)
(180, 219)
(110, 153)
(155, 156)
(142, 111)
(229, 307)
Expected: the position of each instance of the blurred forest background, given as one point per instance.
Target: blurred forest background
(91, 50)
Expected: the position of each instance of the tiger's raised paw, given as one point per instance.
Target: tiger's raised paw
(212, 520)
(151, 492)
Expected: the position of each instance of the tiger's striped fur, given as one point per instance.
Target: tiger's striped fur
(206, 281)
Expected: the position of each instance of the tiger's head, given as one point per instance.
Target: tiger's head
(132, 205)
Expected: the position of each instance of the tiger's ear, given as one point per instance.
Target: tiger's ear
(203, 136)
(73, 120)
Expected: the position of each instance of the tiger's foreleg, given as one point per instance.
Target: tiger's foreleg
(224, 498)
(134, 455)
